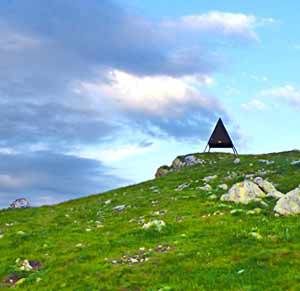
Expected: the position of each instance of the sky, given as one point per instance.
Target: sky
(95, 95)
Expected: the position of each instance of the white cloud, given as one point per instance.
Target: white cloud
(227, 24)
(254, 104)
(161, 96)
(286, 93)
(112, 154)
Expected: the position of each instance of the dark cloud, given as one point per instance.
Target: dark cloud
(53, 124)
(49, 48)
(46, 177)
(81, 35)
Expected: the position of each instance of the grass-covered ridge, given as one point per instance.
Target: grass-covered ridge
(205, 244)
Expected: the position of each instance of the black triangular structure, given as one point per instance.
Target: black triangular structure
(220, 138)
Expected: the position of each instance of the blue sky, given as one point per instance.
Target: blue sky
(98, 94)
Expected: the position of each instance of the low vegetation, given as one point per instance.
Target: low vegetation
(170, 233)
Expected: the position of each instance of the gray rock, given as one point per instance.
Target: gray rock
(177, 164)
(267, 162)
(209, 178)
(206, 187)
(268, 188)
(244, 192)
(190, 160)
(20, 203)
(182, 186)
(236, 161)
(289, 204)
(119, 208)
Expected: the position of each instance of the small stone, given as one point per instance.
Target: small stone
(119, 208)
(209, 178)
(182, 186)
(236, 161)
(206, 187)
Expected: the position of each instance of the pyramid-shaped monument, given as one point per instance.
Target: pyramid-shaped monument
(220, 138)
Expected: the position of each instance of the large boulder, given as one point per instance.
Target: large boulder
(161, 171)
(268, 188)
(190, 160)
(20, 203)
(244, 192)
(177, 164)
(289, 204)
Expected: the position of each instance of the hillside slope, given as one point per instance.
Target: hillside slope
(160, 235)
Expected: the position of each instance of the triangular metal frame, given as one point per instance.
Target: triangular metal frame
(220, 130)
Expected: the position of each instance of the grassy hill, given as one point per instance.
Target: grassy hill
(198, 242)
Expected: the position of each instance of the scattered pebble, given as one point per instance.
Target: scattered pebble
(209, 178)
(160, 212)
(206, 187)
(119, 208)
(267, 162)
(182, 186)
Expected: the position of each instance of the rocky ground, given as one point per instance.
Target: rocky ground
(207, 222)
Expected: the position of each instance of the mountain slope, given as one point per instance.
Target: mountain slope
(196, 242)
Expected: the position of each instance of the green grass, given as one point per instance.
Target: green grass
(206, 251)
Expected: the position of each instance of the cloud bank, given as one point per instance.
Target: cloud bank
(77, 73)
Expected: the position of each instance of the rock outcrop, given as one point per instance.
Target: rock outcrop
(248, 191)
(268, 188)
(161, 171)
(178, 163)
(20, 203)
(244, 192)
(289, 204)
